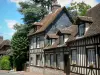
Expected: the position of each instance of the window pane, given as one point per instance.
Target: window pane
(61, 39)
(74, 57)
(81, 29)
(46, 60)
(91, 57)
(38, 42)
(51, 60)
(37, 60)
(58, 60)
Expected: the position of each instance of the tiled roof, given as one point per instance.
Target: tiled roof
(5, 42)
(84, 18)
(47, 20)
(95, 26)
(93, 18)
(53, 36)
(67, 30)
(73, 32)
(37, 24)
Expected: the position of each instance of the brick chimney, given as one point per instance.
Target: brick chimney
(55, 5)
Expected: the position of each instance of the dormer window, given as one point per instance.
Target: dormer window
(81, 22)
(64, 34)
(81, 29)
(51, 38)
(50, 42)
(37, 25)
(61, 39)
(35, 28)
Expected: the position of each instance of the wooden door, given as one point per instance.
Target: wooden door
(66, 64)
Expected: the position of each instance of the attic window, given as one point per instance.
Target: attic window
(35, 28)
(61, 39)
(81, 29)
(50, 41)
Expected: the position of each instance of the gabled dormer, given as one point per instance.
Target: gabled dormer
(51, 39)
(36, 26)
(63, 35)
(83, 23)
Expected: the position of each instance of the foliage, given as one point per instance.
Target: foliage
(78, 9)
(33, 10)
(5, 63)
(19, 44)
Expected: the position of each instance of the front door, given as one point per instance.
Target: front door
(66, 64)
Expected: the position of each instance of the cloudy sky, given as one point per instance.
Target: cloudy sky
(10, 16)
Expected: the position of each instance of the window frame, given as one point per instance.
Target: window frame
(79, 28)
(91, 60)
(58, 61)
(37, 42)
(46, 59)
(74, 57)
(61, 41)
(51, 62)
(38, 60)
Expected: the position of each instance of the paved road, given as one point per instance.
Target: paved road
(2, 72)
(8, 73)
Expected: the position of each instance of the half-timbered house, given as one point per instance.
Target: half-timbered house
(44, 35)
(84, 46)
(59, 47)
(80, 55)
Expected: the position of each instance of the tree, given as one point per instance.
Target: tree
(34, 10)
(19, 44)
(5, 63)
(78, 9)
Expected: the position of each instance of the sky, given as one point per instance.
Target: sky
(10, 16)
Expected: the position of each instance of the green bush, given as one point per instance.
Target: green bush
(5, 63)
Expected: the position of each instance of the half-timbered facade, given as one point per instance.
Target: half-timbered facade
(44, 35)
(60, 47)
(84, 47)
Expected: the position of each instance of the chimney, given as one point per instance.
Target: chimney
(55, 5)
(1, 39)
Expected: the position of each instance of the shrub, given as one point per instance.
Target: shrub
(5, 63)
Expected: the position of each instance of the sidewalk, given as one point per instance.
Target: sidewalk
(3, 71)
(28, 73)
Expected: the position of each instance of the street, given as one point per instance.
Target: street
(8, 73)
(3, 72)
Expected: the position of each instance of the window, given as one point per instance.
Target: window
(91, 57)
(31, 58)
(51, 60)
(61, 39)
(49, 42)
(58, 60)
(81, 29)
(53, 41)
(37, 60)
(74, 57)
(31, 45)
(46, 60)
(35, 28)
(38, 42)
(34, 42)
